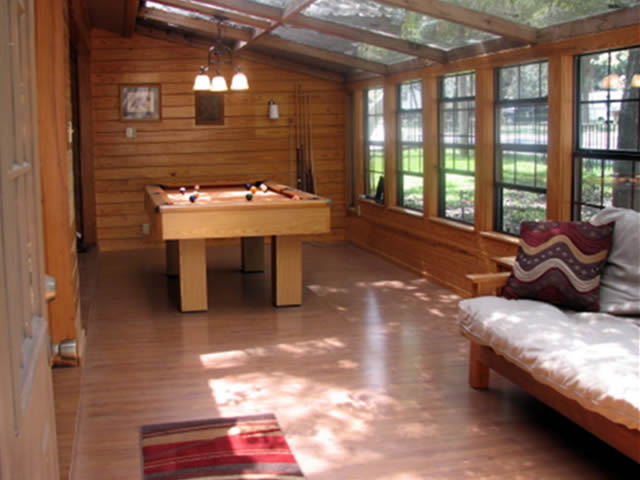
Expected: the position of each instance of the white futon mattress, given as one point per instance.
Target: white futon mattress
(593, 358)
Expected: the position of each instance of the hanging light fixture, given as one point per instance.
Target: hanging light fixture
(219, 54)
(613, 81)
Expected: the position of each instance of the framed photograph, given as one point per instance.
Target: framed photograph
(140, 102)
(209, 108)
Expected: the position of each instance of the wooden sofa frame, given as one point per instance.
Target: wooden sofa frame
(482, 359)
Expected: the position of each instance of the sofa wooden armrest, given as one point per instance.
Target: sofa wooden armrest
(487, 283)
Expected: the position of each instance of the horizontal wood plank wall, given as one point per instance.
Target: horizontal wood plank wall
(444, 250)
(248, 147)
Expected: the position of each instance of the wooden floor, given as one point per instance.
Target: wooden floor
(368, 378)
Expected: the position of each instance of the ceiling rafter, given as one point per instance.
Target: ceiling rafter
(213, 11)
(130, 14)
(469, 18)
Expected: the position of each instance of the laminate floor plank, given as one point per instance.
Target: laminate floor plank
(368, 378)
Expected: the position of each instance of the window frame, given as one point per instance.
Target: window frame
(442, 146)
(499, 148)
(603, 155)
(400, 173)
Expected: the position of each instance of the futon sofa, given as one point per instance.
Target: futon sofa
(584, 364)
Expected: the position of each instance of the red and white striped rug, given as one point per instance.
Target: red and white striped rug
(239, 448)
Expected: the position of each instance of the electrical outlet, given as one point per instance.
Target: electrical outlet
(145, 229)
(131, 132)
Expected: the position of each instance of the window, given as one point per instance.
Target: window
(457, 94)
(373, 140)
(521, 145)
(410, 149)
(607, 153)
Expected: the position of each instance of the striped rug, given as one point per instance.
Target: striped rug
(239, 448)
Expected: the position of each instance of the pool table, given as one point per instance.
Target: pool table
(223, 211)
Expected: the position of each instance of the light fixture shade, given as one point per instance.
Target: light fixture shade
(611, 82)
(201, 83)
(219, 84)
(239, 82)
(635, 80)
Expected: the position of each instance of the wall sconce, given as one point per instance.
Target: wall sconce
(274, 114)
(219, 54)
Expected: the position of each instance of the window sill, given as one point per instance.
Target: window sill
(407, 211)
(370, 201)
(502, 237)
(453, 224)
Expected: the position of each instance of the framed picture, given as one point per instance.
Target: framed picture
(140, 102)
(209, 108)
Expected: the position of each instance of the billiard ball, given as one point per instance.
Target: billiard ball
(183, 190)
(196, 187)
(295, 197)
(254, 189)
(249, 196)
(193, 197)
(263, 187)
(247, 186)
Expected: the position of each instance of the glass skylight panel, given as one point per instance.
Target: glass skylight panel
(196, 15)
(339, 45)
(544, 13)
(397, 23)
(274, 3)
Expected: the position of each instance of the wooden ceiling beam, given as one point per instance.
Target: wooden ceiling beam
(213, 11)
(189, 40)
(271, 41)
(130, 15)
(469, 18)
(195, 24)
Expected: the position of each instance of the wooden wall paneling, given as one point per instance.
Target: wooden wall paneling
(560, 141)
(86, 158)
(390, 147)
(249, 146)
(485, 136)
(52, 57)
(430, 140)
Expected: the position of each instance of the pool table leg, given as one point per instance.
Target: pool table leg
(286, 268)
(252, 254)
(193, 275)
(171, 248)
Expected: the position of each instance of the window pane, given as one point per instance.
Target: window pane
(459, 197)
(521, 205)
(412, 192)
(521, 153)
(609, 183)
(375, 129)
(411, 96)
(375, 101)
(374, 139)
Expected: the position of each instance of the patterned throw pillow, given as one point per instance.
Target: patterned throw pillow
(560, 263)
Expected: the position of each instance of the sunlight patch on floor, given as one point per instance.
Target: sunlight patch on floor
(237, 358)
(324, 425)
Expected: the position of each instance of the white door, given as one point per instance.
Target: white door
(27, 420)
